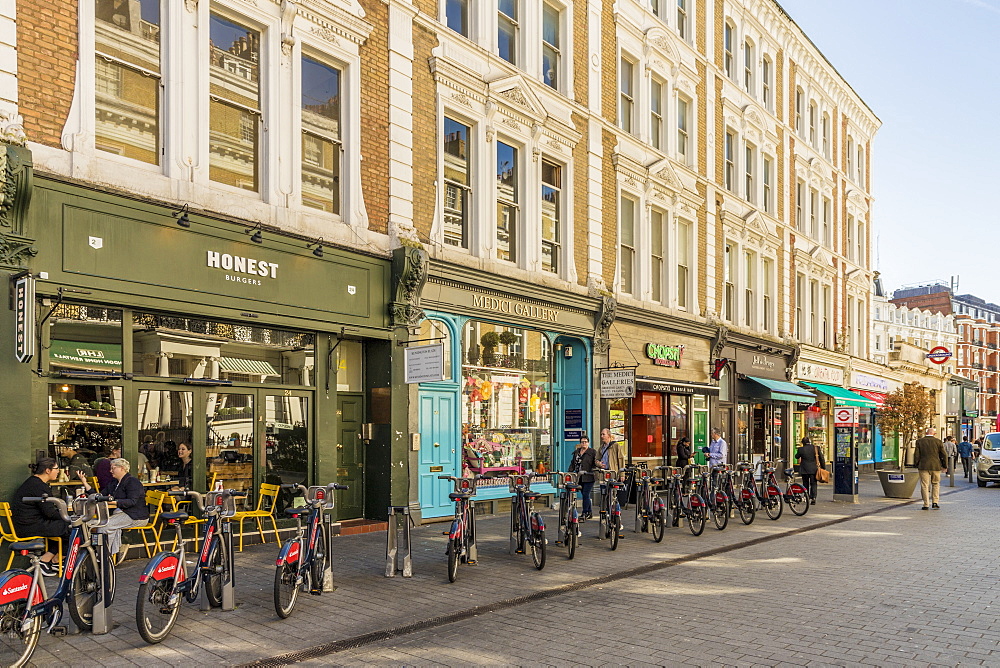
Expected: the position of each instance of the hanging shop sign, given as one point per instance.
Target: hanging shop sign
(869, 382)
(24, 318)
(617, 383)
(668, 356)
(424, 364)
(514, 307)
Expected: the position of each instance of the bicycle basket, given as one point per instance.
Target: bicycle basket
(223, 503)
(319, 495)
(519, 481)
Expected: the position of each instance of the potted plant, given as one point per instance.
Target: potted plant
(62, 404)
(107, 407)
(905, 412)
(490, 341)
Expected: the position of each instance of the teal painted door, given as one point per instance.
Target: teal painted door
(440, 451)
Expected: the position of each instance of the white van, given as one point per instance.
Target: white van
(988, 462)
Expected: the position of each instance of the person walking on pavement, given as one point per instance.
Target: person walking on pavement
(583, 462)
(718, 449)
(930, 458)
(965, 452)
(810, 460)
(951, 449)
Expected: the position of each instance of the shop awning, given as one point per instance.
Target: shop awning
(877, 397)
(783, 391)
(251, 367)
(841, 396)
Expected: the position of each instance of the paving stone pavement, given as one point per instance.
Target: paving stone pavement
(882, 588)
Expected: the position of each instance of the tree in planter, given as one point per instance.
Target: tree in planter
(490, 341)
(906, 412)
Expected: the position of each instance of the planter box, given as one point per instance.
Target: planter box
(898, 484)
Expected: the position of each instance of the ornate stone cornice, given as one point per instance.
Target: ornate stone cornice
(16, 172)
(409, 269)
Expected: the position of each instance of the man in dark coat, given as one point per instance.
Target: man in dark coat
(811, 459)
(930, 459)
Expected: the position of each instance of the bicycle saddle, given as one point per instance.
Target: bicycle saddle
(531, 495)
(36, 547)
(179, 515)
(295, 512)
(789, 472)
(454, 496)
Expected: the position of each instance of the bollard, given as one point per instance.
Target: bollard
(395, 546)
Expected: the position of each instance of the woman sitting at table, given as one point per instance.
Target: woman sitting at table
(184, 473)
(37, 518)
(130, 502)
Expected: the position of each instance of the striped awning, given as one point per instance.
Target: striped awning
(251, 367)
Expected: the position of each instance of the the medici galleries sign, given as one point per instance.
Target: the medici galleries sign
(617, 383)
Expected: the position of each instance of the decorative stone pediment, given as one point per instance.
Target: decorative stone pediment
(858, 200)
(752, 117)
(822, 256)
(661, 40)
(754, 222)
(663, 171)
(515, 94)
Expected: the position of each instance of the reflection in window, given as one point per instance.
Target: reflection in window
(286, 439)
(178, 347)
(506, 417)
(350, 366)
(165, 419)
(551, 215)
(229, 451)
(234, 103)
(457, 193)
(321, 145)
(438, 331)
(507, 202)
(457, 16)
(550, 45)
(85, 423)
(127, 78)
(507, 30)
(85, 338)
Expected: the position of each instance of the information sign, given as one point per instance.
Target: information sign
(617, 383)
(424, 364)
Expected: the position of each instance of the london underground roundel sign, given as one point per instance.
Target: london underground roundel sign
(939, 355)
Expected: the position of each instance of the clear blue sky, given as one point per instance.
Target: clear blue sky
(928, 69)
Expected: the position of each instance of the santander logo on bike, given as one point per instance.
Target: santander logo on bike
(169, 568)
(13, 590)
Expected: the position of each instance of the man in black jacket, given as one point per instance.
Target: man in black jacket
(584, 458)
(130, 503)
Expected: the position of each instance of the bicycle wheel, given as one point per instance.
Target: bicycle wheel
(538, 548)
(317, 571)
(154, 614)
(572, 529)
(696, 516)
(454, 549)
(286, 592)
(17, 646)
(83, 592)
(659, 524)
(613, 522)
(212, 579)
(798, 503)
(773, 505)
(720, 513)
(747, 513)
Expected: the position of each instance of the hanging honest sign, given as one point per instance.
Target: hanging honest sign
(617, 383)
(24, 319)
(424, 364)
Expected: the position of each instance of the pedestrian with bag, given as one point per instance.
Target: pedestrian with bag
(930, 459)
(583, 464)
(683, 451)
(965, 452)
(812, 467)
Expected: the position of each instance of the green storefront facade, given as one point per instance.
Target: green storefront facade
(274, 363)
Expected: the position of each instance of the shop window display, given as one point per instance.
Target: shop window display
(865, 438)
(817, 425)
(506, 390)
(85, 422)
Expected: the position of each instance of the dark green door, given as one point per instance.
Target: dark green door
(350, 455)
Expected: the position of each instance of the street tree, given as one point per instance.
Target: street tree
(906, 412)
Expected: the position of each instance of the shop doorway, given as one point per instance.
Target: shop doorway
(439, 451)
(350, 454)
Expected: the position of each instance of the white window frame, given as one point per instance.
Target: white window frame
(685, 149)
(728, 49)
(626, 98)
(749, 172)
(657, 118)
(558, 253)
(748, 66)
(767, 184)
(518, 205)
(559, 49)
(625, 250)
(472, 188)
(767, 86)
(684, 272)
(658, 256)
(729, 162)
(683, 20)
(517, 59)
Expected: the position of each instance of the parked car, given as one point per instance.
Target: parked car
(988, 461)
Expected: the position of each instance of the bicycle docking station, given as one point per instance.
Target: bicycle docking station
(102, 618)
(227, 510)
(845, 455)
(397, 547)
(328, 585)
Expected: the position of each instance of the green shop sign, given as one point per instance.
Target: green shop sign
(105, 356)
(665, 355)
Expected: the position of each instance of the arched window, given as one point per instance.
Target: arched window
(435, 332)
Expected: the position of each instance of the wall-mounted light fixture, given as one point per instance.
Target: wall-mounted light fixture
(182, 217)
(318, 250)
(257, 236)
